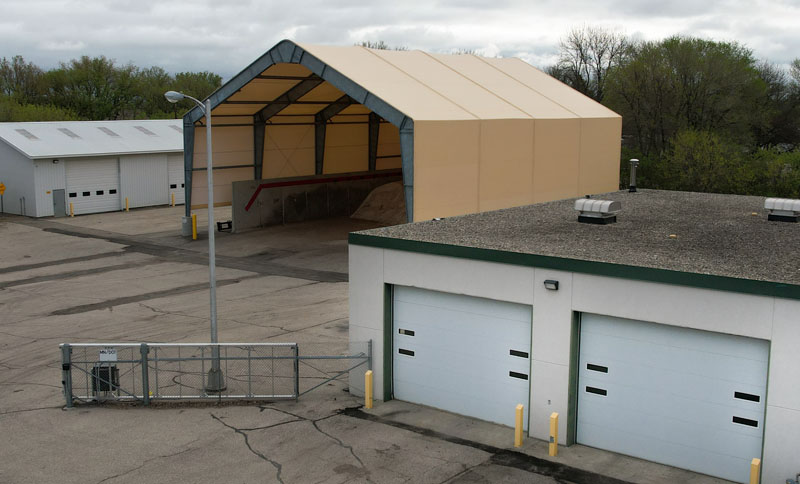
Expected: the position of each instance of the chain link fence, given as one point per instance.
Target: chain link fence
(155, 371)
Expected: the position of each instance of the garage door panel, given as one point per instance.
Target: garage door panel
(675, 454)
(452, 319)
(464, 304)
(678, 396)
(715, 390)
(457, 367)
(673, 357)
(456, 361)
(704, 341)
(651, 411)
(454, 352)
(470, 344)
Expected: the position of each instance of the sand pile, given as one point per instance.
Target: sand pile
(385, 204)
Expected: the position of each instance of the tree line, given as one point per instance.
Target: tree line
(95, 88)
(701, 115)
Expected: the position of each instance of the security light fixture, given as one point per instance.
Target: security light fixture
(597, 211)
(782, 209)
(551, 284)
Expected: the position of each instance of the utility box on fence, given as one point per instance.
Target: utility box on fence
(105, 378)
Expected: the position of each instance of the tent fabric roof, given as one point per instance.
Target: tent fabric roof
(423, 86)
(66, 139)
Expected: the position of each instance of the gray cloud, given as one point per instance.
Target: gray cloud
(226, 36)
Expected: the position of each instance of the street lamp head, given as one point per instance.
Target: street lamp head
(174, 96)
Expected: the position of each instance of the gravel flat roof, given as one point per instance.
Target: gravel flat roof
(703, 233)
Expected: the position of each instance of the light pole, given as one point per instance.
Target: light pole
(216, 381)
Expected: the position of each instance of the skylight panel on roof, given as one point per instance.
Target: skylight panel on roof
(108, 131)
(145, 131)
(26, 133)
(69, 133)
(176, 128)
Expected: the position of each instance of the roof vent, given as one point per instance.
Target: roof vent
(108, 131)
(597, 211)
(27, 134)
(782, 209)
(145, 131)
(69, 133)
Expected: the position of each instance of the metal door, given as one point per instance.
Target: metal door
(59, 202)
(682, 397)
(463, 354)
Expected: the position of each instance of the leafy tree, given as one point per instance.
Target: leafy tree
(380, 45)
(780, 107)
(587, 55)
(21, 80)
(149, 86)
(195, 84)
(686, 83)
(11, 110)
(92, 87)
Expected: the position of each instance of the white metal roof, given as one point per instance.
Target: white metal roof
(66, 139)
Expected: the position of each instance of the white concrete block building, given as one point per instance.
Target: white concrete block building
(95, 165)
(671, 335)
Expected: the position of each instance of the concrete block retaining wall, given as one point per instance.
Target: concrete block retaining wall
(285, 200)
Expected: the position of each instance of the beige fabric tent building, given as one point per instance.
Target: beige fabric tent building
(469, 133)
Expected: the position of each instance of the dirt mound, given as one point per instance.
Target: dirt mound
(385, 204)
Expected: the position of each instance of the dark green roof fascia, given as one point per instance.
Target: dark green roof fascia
(665, 276)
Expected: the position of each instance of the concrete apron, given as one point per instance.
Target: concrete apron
(576, 463)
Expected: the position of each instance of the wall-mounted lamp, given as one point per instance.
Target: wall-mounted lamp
(55, 162)
(551, 284)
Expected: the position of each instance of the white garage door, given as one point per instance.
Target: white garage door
(463, 354)
(144, 179)
(93, 185)
(176, 179)
(682, 397)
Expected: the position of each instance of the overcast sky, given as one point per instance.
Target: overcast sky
(225, 35)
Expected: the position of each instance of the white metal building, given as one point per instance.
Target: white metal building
(95, 165)
(671, 335)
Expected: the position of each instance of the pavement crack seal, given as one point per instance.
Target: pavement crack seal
(27, 267)
(499, 456)
(110, 303)
(78, 273)
(277, 465)
(179, 254)
(147, 461)
(315, 423)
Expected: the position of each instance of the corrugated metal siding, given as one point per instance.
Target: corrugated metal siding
(48, 176)
(16, 173)
(176, 178)
(144, 180)
(93, 185)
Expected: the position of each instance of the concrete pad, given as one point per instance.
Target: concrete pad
(149, 284)
(24, 245)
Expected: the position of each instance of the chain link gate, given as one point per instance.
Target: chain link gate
(97, 372)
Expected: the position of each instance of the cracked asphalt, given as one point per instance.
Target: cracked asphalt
(130, 277)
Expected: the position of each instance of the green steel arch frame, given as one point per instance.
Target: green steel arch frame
(287, 52)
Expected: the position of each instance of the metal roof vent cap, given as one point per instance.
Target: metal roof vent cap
(597, 211)
(782, 209)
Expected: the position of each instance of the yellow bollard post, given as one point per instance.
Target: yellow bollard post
(71, 210)
(194, 226)
(553, 434)
(173, 199)
(755, 471)
(368, 389)
(127, 207)
(518, 426)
